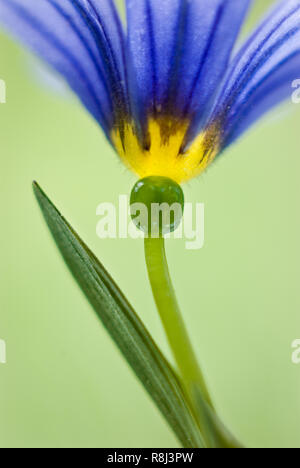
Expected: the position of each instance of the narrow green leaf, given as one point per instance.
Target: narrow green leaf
(216, 433)
(123, 325)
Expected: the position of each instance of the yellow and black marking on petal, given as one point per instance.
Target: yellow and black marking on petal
(163, 153)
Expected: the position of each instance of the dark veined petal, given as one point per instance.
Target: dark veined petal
(152, 29)
(82, 40)
(213, 29)
(262, 73)
(179, 51)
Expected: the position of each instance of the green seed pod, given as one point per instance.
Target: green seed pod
(156, 205)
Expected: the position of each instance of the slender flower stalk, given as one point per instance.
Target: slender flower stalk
(167, 194)
(171, 316)
(214, 432)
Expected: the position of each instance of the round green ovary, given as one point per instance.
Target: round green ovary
(157, 205)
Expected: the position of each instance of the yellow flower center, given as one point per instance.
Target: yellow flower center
(163, 155)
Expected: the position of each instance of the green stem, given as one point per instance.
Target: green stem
(213, 431)
(170, 314)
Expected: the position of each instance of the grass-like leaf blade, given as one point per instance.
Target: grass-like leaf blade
(123, 325)
(216, 433)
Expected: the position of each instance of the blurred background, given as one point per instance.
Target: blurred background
(65, 383)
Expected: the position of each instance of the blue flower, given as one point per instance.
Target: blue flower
(169, 92)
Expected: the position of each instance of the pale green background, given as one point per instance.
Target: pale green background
(65, 384)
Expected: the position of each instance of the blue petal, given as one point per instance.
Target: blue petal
(213, 28)
(179, 51)
(152, 29)
(78, 38)
(262, 73)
